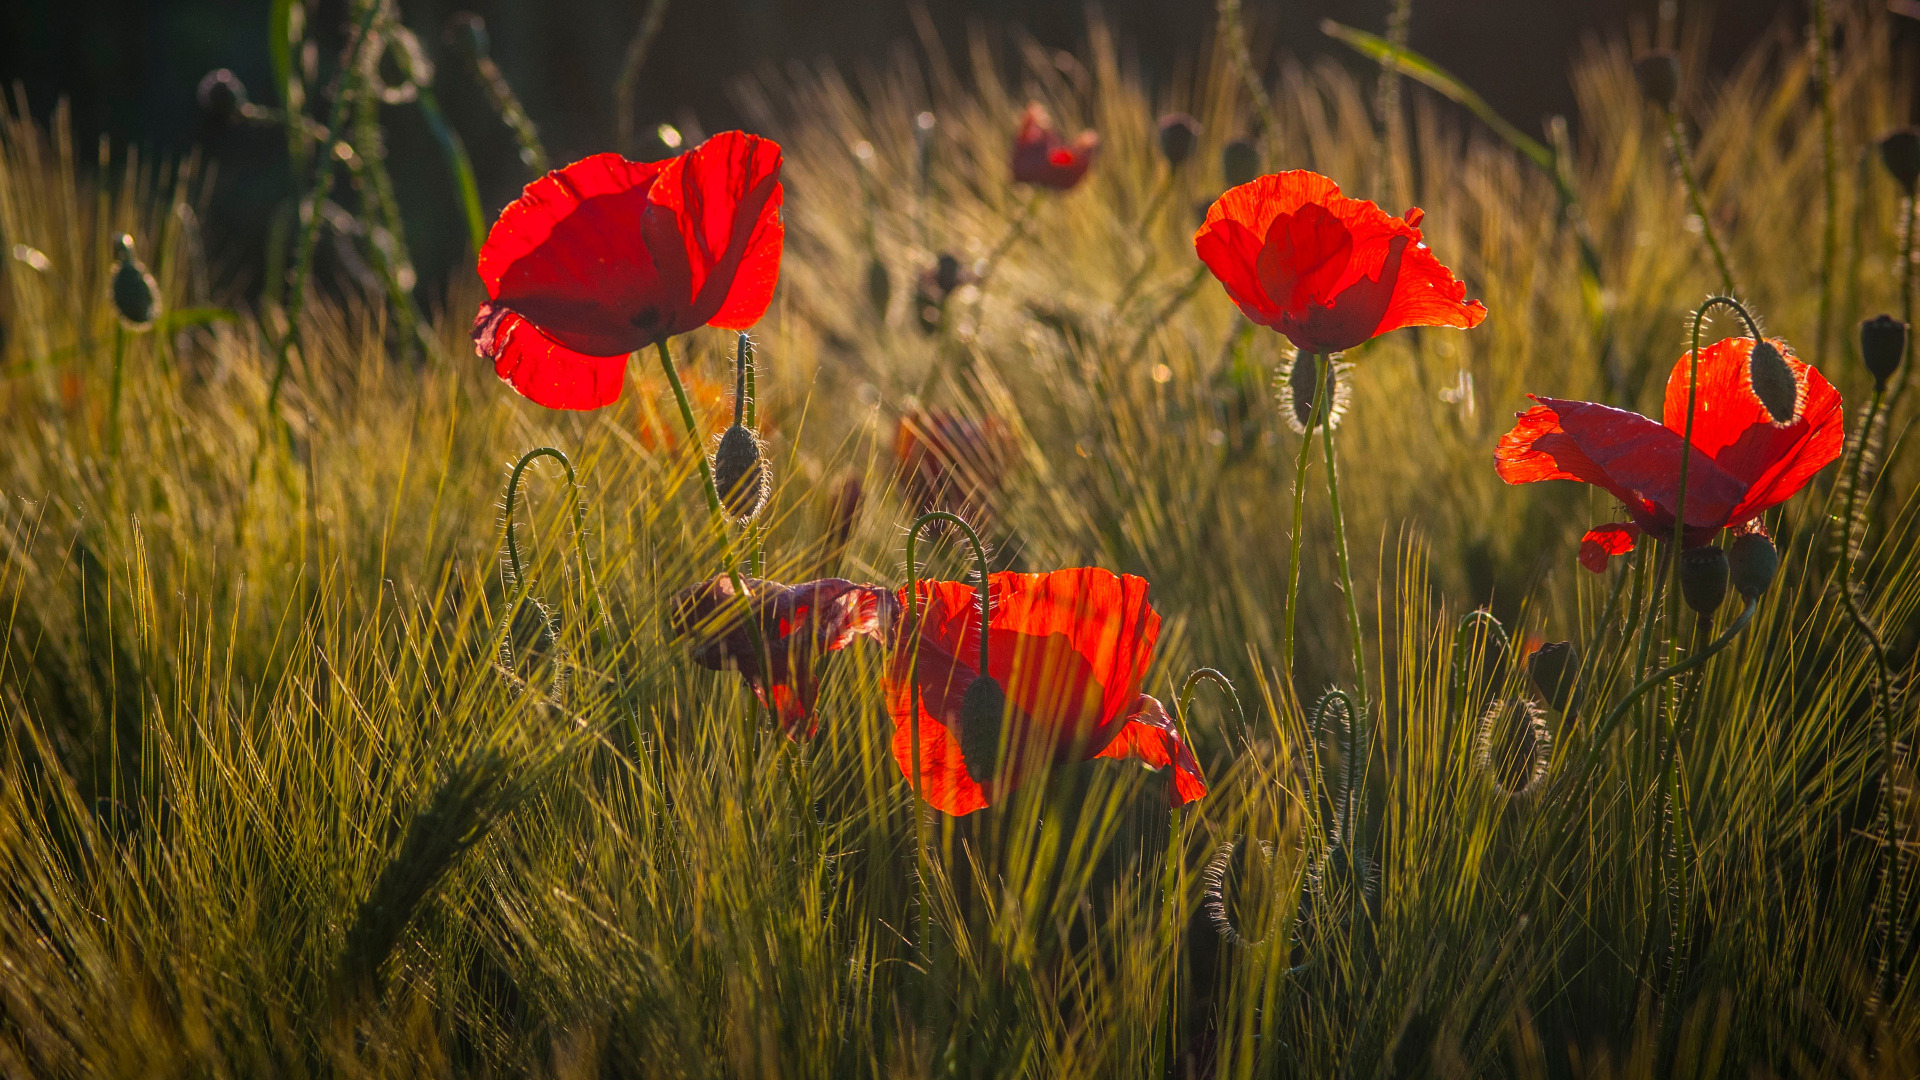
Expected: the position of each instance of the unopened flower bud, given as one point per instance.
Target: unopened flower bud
(1513, 747)
(1179, 135)
(879, 286)
(739, 474)
(1773, 382)
(222, 96)
(1658, 74)
(466, 35)
(135, 294)
(1752, 561)
(1239, 162)
(1900, 153)
(1703, 578)
(1883, 343)
(1555, 671)
(1300, 397)
(982, 710)
(946, 272)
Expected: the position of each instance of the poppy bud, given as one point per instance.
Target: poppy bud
(1751, 563)
(1883, 342)
(739, 474)
(1300, 397)
(1773, 382)
(135, 293)
(1703, 578)
(466, 35)
(1240, 162)
(222, 96)
(946, 273)
(1658, 73)
(1555, 671)
(1514, 747)
(982, 709)
(879, 286)
(1900, 153)
(1179, 134)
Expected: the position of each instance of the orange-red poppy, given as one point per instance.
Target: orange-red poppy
(1042, 156)
(1328, 271)
(797, 623)
(1742, 462)
(607, 256)
(1070, 649)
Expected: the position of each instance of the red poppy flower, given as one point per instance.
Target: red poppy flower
(798, 623)
(1043, 157)
(1327, 271)
(608, 256)
(1741, 465)
(1070, 649)
(951, 462)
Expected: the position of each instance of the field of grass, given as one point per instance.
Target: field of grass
(299, 778)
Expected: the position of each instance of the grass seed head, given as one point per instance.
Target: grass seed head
(1703, 578)
(1752, 561)
(1883, 342)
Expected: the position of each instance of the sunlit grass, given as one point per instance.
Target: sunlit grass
(277, 802)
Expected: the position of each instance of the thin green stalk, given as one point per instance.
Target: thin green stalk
(1386, 99)
(1677, 140)
(1340, 533)
(1234, 31)
(1293, 544)
(1016, 229)
(459, 163)
(1606, 724)
(627, 86)
(1829, 169)
(119, 375)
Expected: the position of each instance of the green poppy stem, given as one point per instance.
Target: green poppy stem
(1677, 139)
(1325, 411)
(1293, 546)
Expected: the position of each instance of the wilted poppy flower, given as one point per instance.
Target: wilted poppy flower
(1069, 648)
(1327, 271)
(1043, 157)
(607, 256)
(798, 624)
(951, 462)
(1742, 463)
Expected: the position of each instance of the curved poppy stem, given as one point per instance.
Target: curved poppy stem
(1498, 634)
(1293, 547)
(743, 415)
(1174, 877)
(1605, 727)
(1693, 391)
(1213, 675)
(1340, 524)
(719, 516)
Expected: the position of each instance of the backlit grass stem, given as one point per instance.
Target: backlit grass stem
(1293, 542)
(1340, 540)
(1677, 140)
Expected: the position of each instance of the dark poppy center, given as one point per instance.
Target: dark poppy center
(647, 319)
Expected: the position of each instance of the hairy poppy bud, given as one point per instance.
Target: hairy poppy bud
(1658, 73)
(1703, 578)
(1900, 153)
(982, 710)
(1751, 563)
(1555, 671)
(222, 96)
(1773, 382)
(1883, 342)
(1239, 162)
(466, 35)
(135, 294)
(879, 286)
(1179, 134)
(1514, 747)
(1300, 396)
(739, 474)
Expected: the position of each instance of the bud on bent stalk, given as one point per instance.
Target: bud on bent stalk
(1704, 573)
(1179, 135)
(1883, 344)
(1239, 162)
(1514, 747)
(739, 474)
(983, 711)
(1658, 74)
(222, 97)
(136, 296)
(1900, 153)
(1752, 560)
(1773, 382)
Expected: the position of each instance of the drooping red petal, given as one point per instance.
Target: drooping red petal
(1150, 737)
(724, 200)
(1632, 457)
(542, 369)
(1043, 157)
(943, 681)
(1603, 542)
(1731, 424)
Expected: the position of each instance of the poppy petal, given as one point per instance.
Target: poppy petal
(942, 680)
(1731, 424)
(1425, 293)
(1302, 257)
(722, 203)
(540, 368)
(1603, 542)
(1150, 737)
(1632, 457)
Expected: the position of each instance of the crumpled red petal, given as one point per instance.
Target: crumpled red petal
(1042, 156)
(1632, 457)
(1150, 737)
(1603, 542)
(542, 369)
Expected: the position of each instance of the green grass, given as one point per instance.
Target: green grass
(274, 801)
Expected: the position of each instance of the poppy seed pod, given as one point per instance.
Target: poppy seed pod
(1703, 578)
(1179, 135)
(1752, 561)
(1883, 343)
(1658, 74)
(1555, 671)
(135, 294)
(879, 286)
(222, 97)
(1773, 382)
(739, 474)
(466, 35)
(1239, 162)
(1900, 153)
(982, 709)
